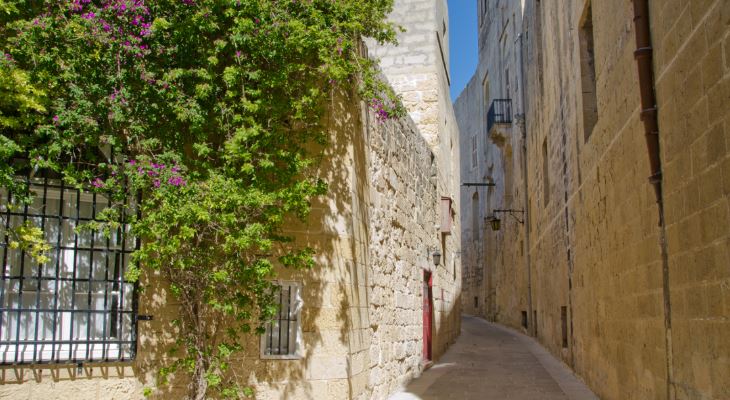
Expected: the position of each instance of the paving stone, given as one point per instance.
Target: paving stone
(490, 362)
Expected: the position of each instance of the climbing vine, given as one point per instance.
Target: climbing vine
(202, 109)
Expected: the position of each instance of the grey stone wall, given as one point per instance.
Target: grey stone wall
(493, 157)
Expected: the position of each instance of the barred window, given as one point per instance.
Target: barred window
(474, 151)
(77, 307)
(282, 338)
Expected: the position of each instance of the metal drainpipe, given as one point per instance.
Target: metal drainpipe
(644, 58)
(526, 244)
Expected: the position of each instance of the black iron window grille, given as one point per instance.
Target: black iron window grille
(77, 307)
(500, 112)
(282, 338)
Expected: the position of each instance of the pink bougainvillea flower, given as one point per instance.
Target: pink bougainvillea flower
(176, 181)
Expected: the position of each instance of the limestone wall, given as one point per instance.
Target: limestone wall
(495, 277)
(601, 298)
(418, 69)
(362, 320)
(693, 90)
(374, 234)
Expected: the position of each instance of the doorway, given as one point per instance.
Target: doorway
(427, 315)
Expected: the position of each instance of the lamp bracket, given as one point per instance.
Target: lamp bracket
(512, 213)
(469, 184)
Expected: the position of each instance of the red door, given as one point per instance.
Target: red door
(427, 314)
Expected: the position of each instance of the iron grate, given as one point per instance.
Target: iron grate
(77, 307)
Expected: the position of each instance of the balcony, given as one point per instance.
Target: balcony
(500, 112)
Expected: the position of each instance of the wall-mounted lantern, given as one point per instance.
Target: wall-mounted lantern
(436, 258)
(496, 222)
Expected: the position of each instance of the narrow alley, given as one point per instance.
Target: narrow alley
(492, 362)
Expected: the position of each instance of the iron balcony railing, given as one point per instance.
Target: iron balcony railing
(500, 112)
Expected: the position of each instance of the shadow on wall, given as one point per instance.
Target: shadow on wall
(333, 289)
(337, 319)
(327, 293)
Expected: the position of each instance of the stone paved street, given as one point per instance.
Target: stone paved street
(492, 362)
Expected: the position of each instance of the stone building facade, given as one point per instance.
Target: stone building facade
(376, 308)
(637, 308)
(490, 168)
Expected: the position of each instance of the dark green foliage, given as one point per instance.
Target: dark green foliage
(208, 107)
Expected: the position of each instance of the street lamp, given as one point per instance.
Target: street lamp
(436, 258)
(494, 222)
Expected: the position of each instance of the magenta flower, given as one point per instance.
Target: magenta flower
(176, 181)
(97, 183)
(55, 119)
(156, 183)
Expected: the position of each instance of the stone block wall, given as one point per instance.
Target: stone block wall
(418, 70)
(601, 298)
(495, 278)
(362, 321)
(374, 234)
(692, 68)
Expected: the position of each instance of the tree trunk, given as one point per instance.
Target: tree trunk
(199, 384)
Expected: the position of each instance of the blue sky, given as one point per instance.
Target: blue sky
(462, 43)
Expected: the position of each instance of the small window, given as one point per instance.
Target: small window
(476, 301)
(482, 11)
(524, 319)
(485, 89)
(588, 72)
(475, 216)
(77, 307)
(474, 159)
(446, 215)
(545, 173)
(564, 325)
(282, 338)
(507, 88)
(538, 46)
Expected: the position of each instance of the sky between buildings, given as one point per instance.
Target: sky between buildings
(462, 43)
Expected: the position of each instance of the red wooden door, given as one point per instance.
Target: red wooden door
(427, 314)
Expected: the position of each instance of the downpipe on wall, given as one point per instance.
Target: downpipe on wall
(644, 55)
